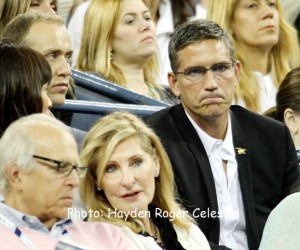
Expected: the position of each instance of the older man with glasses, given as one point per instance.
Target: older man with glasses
(232, 166)
(39, 169)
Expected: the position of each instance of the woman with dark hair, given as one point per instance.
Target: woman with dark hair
(25, 75)
(287, 107)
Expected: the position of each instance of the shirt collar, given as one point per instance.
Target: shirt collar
(23, 220)
(209, 142)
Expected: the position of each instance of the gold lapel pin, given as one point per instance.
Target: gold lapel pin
(241, 151)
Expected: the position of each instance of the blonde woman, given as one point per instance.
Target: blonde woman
(131, 184)
(265, 44)
(12, 8)
(119, 44)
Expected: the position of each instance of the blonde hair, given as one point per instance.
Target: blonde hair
(282, 57)
(100, 23)
(96, 151)
(11, 8)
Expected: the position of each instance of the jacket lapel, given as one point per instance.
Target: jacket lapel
(243, 154)
(195, 145)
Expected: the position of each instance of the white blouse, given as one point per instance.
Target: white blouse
(267, 92)
(195, 239)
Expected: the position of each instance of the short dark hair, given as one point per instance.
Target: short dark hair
(23, 73)
(196, 31)
(288, 94)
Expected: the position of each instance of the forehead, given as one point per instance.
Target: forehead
(257, 1)
(204, 53)
(45, 37)
(48, 144)
(133, 6)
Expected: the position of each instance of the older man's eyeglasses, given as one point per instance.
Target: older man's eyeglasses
(196, 74)
(64, 168)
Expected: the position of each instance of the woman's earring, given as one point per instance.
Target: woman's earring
(111, 56)
(99, 189)
(156, 174)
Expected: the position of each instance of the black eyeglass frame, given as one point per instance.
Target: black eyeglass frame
(81, 171)
(206, 69)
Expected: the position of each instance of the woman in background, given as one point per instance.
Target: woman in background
(265, 44)
(287, 107)
(130, 173)
(12, 8)
(119, 44)
(25, 75)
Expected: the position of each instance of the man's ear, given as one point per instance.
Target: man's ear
(237, 72)
(290, 120)
(173, 83)
(14, 176)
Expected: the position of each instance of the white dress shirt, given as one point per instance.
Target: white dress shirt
(227, 184)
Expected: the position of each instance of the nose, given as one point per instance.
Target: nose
(73, 179)
(268, 11)
(209, 80)
(145, 25)
(64, 68)
(128, 179)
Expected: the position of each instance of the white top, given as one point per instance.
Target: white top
(229, 195)
(282, 230)
(267, 92)
(75, 27)
(64, 7)
(192, 241)
(164, 29)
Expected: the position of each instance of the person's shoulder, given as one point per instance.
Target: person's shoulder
(164, 113)
(96, 227)
(193, 239)
(247, 116)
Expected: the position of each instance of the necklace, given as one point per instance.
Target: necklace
(155, 237)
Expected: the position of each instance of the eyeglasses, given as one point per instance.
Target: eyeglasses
(65, 168)
(196, 74)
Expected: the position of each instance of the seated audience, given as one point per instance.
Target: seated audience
(265, 44)
(119, 44)
(25, 77)
(38, 174)
(282, 229)
(287, 107)
(230, 163)
(47, 35)
(130, 173)
(12, 8)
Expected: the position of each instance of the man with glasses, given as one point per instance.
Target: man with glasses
(232, 166)
(39, 169)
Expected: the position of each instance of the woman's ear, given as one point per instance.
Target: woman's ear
(157, 168)
(290, 120)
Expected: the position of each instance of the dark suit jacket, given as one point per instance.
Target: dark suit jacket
(266, 171)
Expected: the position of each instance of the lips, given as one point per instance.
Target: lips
(148, 39)
(61, 85)
(131, 194)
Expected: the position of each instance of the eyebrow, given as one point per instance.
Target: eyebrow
(135, 13)
(57, 51)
